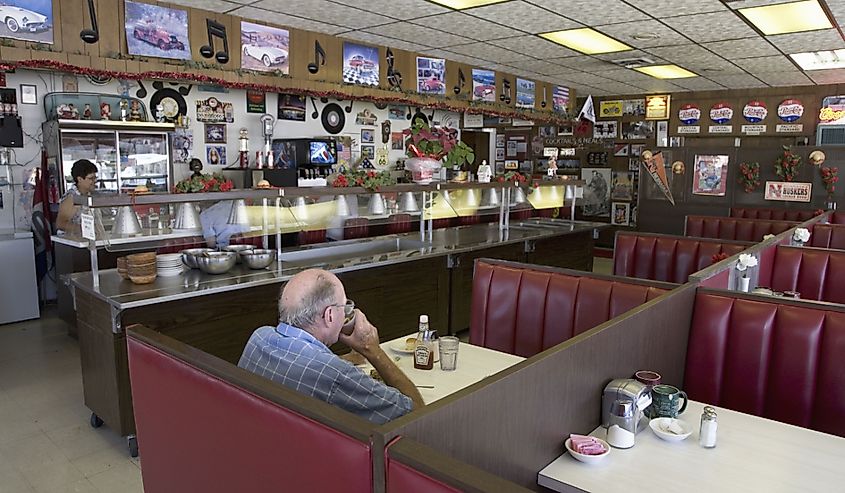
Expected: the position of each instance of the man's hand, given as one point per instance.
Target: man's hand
(364, 337)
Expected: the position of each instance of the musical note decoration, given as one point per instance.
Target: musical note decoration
(216, 30)
(544, 103)
(505, 96)
(394, 77)
(141, 93)
(319, 58)
(316, 113)
(92, 35)
(462, 80)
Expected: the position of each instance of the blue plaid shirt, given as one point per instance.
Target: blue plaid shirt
(294, 358)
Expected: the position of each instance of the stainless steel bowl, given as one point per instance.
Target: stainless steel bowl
(189, 254)
(238, 249)
(258, 258)
(216, 262)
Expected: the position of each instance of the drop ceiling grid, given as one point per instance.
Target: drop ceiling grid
(466, 25)
(326, 11)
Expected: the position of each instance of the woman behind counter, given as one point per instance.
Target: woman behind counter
(84, 174)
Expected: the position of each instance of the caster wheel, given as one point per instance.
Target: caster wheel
(132, 442)
(96, 422)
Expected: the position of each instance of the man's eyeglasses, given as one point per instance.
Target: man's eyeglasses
(348, 310)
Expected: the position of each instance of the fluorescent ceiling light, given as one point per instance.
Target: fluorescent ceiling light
(791, 17)
(818, 60)
(666, 72)
(586, 40)
(465, 4)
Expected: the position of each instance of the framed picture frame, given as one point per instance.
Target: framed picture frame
(368, 135)
(215, 133)
(29, 94)
(621, 214)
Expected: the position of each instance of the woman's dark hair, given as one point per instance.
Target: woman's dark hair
(81, 169)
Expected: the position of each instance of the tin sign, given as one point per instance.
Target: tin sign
(833, 110)
(755, 111)
(689, 114)
(721, 113)
(788, 191)
(689, 129)
(790, 110)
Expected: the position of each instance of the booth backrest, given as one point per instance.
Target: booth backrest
(205, 430)
(772, 214)
(778, 361)
(666, 258)
(312, 237)
(815, 273)
(731, 228)
(519, 310)
(356, 227)
(836, 218)
(828, 236)
(398, 223)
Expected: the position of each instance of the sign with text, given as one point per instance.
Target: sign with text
(610, 109)
(87, 220)
(657, 107)
(753, 129)
(788, 191)
(832, 111)
(689, 129)
(721, 129)
(787, 128)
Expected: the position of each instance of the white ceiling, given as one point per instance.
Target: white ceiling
(707, 37)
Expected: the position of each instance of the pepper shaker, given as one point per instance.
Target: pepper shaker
(707, 432)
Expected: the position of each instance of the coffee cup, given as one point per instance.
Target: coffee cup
(648, 378)
(666, 401)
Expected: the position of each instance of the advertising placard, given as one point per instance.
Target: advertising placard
(788, 191)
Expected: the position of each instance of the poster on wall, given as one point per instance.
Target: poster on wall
(215, 155)
(291, 107)
(397, 141)
(606, 129)
(710, 175)
(596, 201)
(431, 74)
(212, 110)
(483, 85)
(788, 191)
(183, 145)
(634, 107)
(621, 212)
(157, 31)
(641, 130)
(27, 20)
(610, 109)
(360, 64)
(525, 90)
(264, 48)
(623, 185)
(256, 101)
(560, 99)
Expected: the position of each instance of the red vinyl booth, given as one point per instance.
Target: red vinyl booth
(524, 309)
(666, 258)
(356, 227)
(311, 237)
(398, 223)
(828, 236)
(815, 273)
(730, 228)
(772, 214)
(775, 360)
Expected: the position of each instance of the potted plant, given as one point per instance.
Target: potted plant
(830, 176)
(428, 146)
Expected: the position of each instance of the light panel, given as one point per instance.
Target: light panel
(465, 4)
(790, 17)
(666, 72)
(819, 60)
(586, 40)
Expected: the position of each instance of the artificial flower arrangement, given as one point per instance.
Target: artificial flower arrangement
(768, 237)
(801, 235)
(214, 182)
(749, 176)
(718, 257)
(787, 164)
(369, 179)
(829, 178)
(745, 261)
(514, 176)
(438, 143)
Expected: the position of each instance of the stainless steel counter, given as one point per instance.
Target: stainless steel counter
(341, 256)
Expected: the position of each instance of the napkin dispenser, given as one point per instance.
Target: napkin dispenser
(626, 389)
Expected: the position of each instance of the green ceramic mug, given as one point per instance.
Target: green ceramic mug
(666, 401)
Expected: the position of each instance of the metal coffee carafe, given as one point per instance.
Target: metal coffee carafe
(626, 389)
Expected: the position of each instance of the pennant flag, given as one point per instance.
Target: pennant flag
(41, 227)
(588, 112)
(656, 167)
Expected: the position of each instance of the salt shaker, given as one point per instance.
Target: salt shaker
(707, 433)
(622, 424)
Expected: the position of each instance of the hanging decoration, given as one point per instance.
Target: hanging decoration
(830, 176)
(749, 176)
(655, 166)
(787, 165)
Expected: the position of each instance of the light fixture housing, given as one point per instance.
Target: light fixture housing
(586, 40)
(793, 17)
(465, 4)
(820, 60)
(666, 72)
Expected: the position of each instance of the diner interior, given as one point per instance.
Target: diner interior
(601, 239)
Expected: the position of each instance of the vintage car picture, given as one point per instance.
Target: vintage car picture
(157, 31)
(264, 48)
(28, 20)
(483, 85)
(360, 64)
(431, 75)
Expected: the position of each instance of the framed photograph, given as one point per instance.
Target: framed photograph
(596, 201)
(710, 175)
(634, 107)
(637, 149)
(264, 48)
(623, 185)
(621, 213)
(621, 150)
(368, 135)
(397, 141)
(606, 129)
(500, 140)
(566, 129)
(546, 132)
(360, 64)
(525, 90)
(256, 102)
(368, 152)
(215, 133)
(500, 167)
(511, 164)
(633, 164)
(29, 94)
(395, 112)
(215, 155)
(500, 154)
(157, 31)
(28, 20)
(291, 107)
(569, 164)
(483, 85)
(431, 75)
(641, 130)
(663, 133)
(676, 141)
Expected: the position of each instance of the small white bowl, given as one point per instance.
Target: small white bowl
(588, 459)
(659, 425)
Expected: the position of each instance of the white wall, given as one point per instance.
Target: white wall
(32, 117)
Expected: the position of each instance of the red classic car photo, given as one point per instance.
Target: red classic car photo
(432, 84)
(158, 37)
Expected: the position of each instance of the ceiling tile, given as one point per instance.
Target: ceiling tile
(468, 26)
(325, 11)
(795, 78)
(744, 4)
(524, 16)
(830, 76)
(737, 81)
(575, 77)
(487, 51)
(539, 66)
(825, 39)
(624, 55)
(625, 32)
(593, 14)
(376, 39)
(657, 85)
(614, 87)
(742, 48)
(398, 9)
(698, 84)
(414, 33)
(626, 75)
(711, 65)
(662, 8)
(584, 63)
(211, 5)
(287, 20)
(714, 26)
(838, 11)
(534, 46)
(777, 63)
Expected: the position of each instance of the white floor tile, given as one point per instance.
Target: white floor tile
(122, 478)
(101, 460)
(53, 478)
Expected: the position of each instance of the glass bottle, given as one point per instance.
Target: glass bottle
(707, 432)
(622, 424)
(424, 351)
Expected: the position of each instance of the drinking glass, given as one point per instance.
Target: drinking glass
(448, 352)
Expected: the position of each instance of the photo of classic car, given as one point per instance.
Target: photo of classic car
(267, 55)
(361, 63)
(156, 31)
(28, 20)
(156, 36)
(19, 19)
(432, 84)
(483, 91)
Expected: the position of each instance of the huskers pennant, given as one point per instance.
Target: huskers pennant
(657, 169)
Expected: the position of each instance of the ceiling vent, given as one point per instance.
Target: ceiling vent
(634, 62)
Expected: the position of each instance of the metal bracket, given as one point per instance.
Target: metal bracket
(453, 261)
(530, 246)
(116, 328)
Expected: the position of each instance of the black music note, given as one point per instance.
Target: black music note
(92, 35)
(316, 113)
(348, 108)
(185, 90)
(408, 116)
(462, 80)
(505, 96)
(394, 77)
(319, 58)
(215, 29)
(543, 104)
(141, 93)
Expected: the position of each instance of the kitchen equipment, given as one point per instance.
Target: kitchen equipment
(490, 197)
(622, 423)
(237, 249)
(187, 217)
(409, 203)
(126, 222)
(257, 258)
(342, 206)
(169, 264)
(216, 262)
(625, 388)
(376, 207)
(189, 254)
(519, 196)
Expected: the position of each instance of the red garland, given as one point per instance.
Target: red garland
(204, 79)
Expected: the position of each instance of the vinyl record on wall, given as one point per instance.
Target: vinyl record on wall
(380, 106)
(419, 115)
(333, 118)
(171, 101)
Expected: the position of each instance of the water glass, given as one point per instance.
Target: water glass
(448, 352)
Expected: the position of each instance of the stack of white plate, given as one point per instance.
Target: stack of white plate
(169, 264)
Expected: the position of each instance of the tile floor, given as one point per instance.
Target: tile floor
(46, 443)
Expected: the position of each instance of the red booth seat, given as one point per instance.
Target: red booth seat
(778, 361)
(311, 237)
(772, 214)
(730, 228)
(828, 236)
(202, 430)
(836, 218)
(815, 273)
(666, 258)
(523, 310)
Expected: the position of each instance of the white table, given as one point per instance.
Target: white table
(752, 454)
(474, 364)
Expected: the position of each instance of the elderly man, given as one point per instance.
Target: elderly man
(296, 353)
